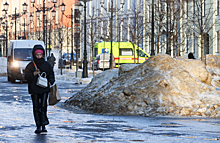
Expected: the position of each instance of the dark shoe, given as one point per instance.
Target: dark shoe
(38, 130)
(44, 129)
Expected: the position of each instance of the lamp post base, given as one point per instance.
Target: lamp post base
(85, 69)
(72, 63)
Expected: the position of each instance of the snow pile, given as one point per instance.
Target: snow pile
(126, 68)
(3, 65)
(197, 68)
(160, 86)
(213, 64)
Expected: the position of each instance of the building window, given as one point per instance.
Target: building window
(217, 7)
(108, 6)
(129, 4)
(186, 9)
(203, 8)
(148, 15)
(187, 44)
(194, 42)
(149, 41)
(217, 41)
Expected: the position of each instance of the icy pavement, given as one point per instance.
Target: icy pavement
(17, 123)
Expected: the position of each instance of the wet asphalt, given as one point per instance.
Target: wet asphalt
(73, 125)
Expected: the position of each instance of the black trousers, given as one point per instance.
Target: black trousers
(40, 109)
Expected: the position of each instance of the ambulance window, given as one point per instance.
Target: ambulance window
(125, 52)
(141, 53)
(95, 52)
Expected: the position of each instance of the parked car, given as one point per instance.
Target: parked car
(67, 59)
(103, 60)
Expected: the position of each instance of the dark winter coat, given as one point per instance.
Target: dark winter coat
(43, 66)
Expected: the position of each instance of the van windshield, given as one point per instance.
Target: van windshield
(23, 54)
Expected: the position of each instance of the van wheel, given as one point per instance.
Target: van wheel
(12, 80)
(9, 79)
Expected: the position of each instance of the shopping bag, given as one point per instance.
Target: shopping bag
(54, 96)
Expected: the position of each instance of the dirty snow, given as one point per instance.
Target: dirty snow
(3, 65)
(160, 86)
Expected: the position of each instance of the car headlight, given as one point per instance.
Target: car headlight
(15, 64)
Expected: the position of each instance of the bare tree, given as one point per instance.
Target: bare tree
(170, 25)
(134, 24)
(202, 21)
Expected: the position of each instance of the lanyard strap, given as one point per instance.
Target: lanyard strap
(34, 65)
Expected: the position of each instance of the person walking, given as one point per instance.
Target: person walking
(52, 59)
(39, 94)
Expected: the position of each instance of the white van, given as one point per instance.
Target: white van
(19, 55)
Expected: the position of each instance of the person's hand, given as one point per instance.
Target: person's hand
(36, 73)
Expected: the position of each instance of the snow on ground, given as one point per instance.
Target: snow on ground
(69, 75)
(3, 65)
(160, 86)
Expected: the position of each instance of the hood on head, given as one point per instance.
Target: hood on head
(38, 47)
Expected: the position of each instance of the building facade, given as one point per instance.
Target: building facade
(57, 29)
(180, 26)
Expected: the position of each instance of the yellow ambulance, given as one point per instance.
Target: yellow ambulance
(123, 52)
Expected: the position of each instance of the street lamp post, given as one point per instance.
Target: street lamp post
(44, 9)
(15, 16)
(6, 5)
(85, 63)
(70, 17)
(24, 5)
(77, 31)
(111, 25)
(5, 26)
(11, 25)
(152, 30)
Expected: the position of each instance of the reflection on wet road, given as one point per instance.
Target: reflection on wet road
(74, 125)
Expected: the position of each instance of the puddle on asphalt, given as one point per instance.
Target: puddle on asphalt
(138, 140)
(69, 121)
(10, 136)
(191, 137)
(199, 120)
(167, 125)
(131, 129)
(105, 121)
(211, 139)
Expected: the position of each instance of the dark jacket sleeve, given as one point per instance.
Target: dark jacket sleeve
(51, 77)
(29, 73)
